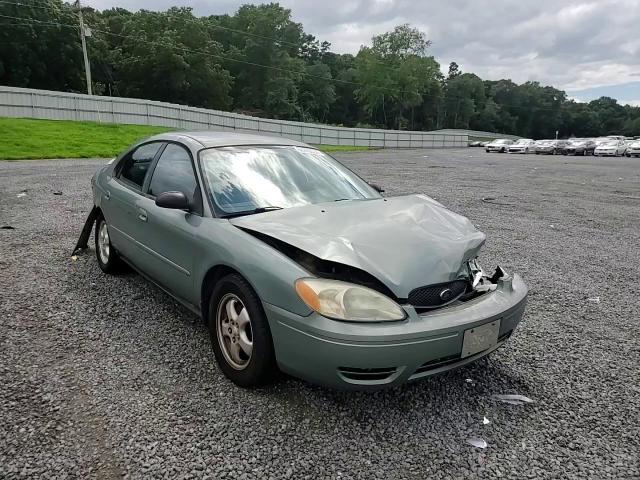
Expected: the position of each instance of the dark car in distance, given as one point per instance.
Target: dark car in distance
(549, 147)
(579, 147)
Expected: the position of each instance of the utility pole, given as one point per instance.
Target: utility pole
(87, 67)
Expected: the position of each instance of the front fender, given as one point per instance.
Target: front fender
(271, 273)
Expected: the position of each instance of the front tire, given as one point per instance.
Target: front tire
(108, 259)
(240, 334)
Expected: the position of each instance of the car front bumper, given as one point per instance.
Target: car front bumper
(363, 356)
(600, 153)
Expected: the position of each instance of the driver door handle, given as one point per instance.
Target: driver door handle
(142, 215)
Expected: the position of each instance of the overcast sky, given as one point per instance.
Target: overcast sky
(588, 48)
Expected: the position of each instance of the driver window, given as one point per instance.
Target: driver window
(174, 173)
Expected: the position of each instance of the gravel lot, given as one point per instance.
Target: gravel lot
(107, 377)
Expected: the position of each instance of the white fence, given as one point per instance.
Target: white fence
(29, 103)
(475, 133)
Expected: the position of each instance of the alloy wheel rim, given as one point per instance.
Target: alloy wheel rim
(235, 335)
(103, 243)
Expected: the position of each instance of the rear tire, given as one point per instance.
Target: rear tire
(240, 334)
(108, 259)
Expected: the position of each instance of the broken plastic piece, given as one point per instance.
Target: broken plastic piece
(74, 257)
(20, 195)
(86, 231)
(485, 421)
(468, 380)
(594, 299)
(7, 227)
(513, 399)
(57, 192)
(477, 442)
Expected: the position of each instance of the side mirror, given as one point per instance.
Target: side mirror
(174, 200)
(376, 187)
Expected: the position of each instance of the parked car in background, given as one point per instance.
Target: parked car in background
(579, 146)
(500, 145)
(633, 149)
(612, 148)
(550, 147)
(296, 263)
(476, 143)
(524, 145)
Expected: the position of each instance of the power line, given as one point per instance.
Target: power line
(203, 52)
(271, 67)
(31, 21)
(19, 4)
(241, 32)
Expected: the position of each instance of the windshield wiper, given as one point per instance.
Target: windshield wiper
(268, 208)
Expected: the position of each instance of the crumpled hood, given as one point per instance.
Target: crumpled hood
(405, 242)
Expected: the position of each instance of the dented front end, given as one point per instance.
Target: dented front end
(393, 245)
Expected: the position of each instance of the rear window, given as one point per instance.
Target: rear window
(135, 165)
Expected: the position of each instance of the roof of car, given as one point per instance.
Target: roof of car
(208, 138)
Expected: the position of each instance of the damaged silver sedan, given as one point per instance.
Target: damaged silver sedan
(297, 264)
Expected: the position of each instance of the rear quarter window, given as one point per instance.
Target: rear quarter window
(135, 165)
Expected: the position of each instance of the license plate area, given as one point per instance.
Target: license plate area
(480, 338)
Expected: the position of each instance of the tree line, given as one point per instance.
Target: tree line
(260, 62)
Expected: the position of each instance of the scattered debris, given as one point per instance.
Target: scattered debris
(551, 226)
(21, 194)
(485, 421)
(74, 258)
(493, 201)
(594, 299)
(57, 192)
(7, 227)
(477, 442)
(513, 399)
(468, 380)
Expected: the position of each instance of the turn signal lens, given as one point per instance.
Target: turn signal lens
(347, 301)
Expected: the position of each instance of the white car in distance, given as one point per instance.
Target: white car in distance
(500, 145)
(524, 145)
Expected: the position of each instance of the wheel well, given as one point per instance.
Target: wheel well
(210, 279)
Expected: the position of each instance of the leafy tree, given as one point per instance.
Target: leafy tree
(43, 50)
(454, 71)
(394, 74)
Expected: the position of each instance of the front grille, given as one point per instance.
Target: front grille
(367, 374)
(434, 296)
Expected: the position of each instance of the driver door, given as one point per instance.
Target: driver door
(168, 235)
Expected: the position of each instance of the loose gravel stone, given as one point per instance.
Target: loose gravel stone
(105, 376)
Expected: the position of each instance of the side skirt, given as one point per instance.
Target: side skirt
(188, 305)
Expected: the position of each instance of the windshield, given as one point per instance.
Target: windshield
(500, 142)
(242, 179)
(521, 142)
(609, 144)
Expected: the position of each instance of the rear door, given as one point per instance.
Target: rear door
(167, 234)
(123, 191)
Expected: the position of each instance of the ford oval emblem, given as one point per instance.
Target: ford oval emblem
(446, 294)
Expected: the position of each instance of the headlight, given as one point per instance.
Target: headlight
(347, 301)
